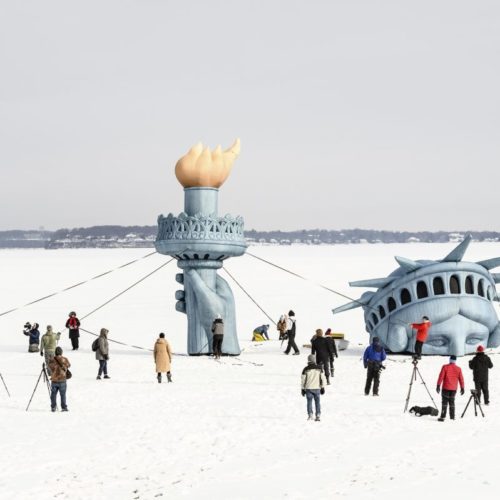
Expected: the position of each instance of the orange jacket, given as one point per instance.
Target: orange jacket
(450, 376)
(422, 330)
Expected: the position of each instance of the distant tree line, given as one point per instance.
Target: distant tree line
(91, 235)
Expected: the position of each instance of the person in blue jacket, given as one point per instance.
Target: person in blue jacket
(372, 359)
(33, 333)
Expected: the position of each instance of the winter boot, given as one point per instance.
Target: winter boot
(310, 416)
(98, 377)
(317, 418)
(169, 377)
(106, 376)
(158, 377)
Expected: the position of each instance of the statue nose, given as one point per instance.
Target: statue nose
(457, 346)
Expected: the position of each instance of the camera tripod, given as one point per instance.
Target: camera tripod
(5, 385)
(45, 379)
(473, 396)
(414, 379)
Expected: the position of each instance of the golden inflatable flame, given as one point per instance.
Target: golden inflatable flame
(204, 168)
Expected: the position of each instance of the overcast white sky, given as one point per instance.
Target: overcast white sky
(370, 114)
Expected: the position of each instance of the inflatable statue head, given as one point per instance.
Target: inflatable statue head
(456, 296)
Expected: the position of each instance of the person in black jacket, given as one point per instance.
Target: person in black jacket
(73, 325)
(480, 364)
(332, 348)
(321, 347)
(290, 334)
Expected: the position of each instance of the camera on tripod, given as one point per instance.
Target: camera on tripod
(473, 392)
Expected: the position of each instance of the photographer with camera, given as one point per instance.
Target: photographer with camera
(480, 364)
(372, 359)
(48, 345)
(32, 332)
(450, 376)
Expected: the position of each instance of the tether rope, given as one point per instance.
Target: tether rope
(362, 304)
(249, 296)
(76, 285)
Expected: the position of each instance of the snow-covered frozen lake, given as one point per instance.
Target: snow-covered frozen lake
(235, 429)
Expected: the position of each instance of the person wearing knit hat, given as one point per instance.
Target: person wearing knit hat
(312, 386)
(321, 347)
(291, 329)
(373, 358)
(480, 365)
(449, 377)
(58, 375)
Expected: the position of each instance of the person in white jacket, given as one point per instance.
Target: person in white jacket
(313, 385)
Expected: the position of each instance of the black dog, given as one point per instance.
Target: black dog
(424, 410)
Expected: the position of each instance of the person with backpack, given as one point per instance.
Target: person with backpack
(332, 349)
(321, 347)
(34, 336)
(163, 357)
(281, 327)
(449, 376)
(218, 336)
(291, 330)
(373, 358)
(312, 387)
(73, 325)
(59, 372)
(480, 364)
(102, 353)
(48, 345)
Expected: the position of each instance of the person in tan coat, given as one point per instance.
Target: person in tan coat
(163, 357)
(58, 369)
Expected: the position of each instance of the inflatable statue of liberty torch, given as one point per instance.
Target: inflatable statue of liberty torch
(200, 240)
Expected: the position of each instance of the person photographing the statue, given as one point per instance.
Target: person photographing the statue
(218, 336)
(422, 333)
(373, 357)
(480, 364)
(449, 377)
(59, 374)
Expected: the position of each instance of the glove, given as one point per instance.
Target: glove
(438, 389)
(303, 392)
(462, 392)
(106, 357)
(41, 353)
(322, 390)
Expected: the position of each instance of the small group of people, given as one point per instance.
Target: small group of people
(323, 346)
(450, 376)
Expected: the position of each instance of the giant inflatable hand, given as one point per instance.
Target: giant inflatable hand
(203, 304)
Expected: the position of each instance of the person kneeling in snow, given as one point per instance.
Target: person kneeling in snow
(260, 333)
(312, 384)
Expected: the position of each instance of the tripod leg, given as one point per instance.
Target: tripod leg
(34, 390)
(480, 407)
(413, 375)
(5, 385)
(466, 406)
(425, 385)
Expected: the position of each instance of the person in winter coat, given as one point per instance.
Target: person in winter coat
(480, 364)
(281, 327)
(218, 336)
(102, 354)
(73, 324)
(312, 386)
(163, 357)
(58, 367)
(262, 330)
(48, 345)
(449, 376)
(34, 336)
(422, 333)
(332, 349)
(321, 347)
(291, 330)
(373, 358)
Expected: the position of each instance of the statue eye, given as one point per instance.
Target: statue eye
(474, 340)
(438, 342)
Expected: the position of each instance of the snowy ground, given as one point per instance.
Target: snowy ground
(235, 429)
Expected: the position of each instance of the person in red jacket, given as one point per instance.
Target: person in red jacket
(422, 332)
(449, 377)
